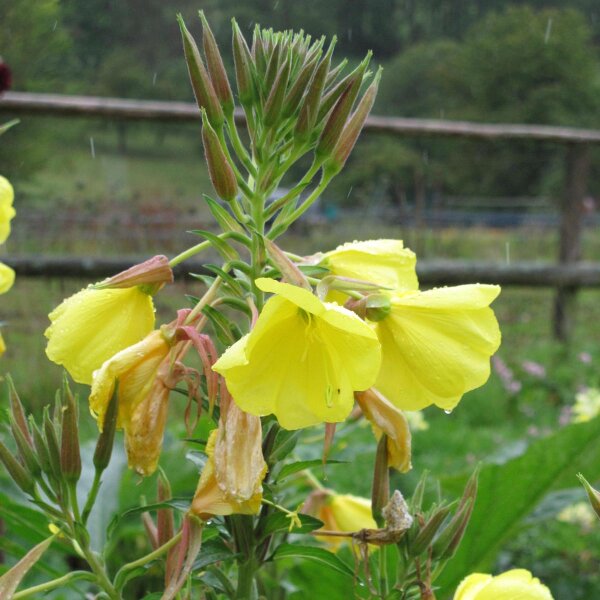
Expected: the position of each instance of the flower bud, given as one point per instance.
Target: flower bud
(152, 272)
(16, 470)
(104, 445)
(70, 456)
(426, 533)
(277, 95)
(52, 445)
(216, 69)
(25, 447)
(258, 54)
(449, 539)
(380, 491)
(312, 100)
(593, 494)
(337, 119)
(243, 67)
(41, 448)
(220, 171)
(353, 127)
(17, 410)
(165, 523)
(204, 91)
(294, 95)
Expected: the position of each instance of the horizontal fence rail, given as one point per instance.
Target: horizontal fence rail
(24, 103)
(566, 276)
(524, 274)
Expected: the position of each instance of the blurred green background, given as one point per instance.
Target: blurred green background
(95, 187)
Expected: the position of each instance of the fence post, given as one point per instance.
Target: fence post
(571, 226)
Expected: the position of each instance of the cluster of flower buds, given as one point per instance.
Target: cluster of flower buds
(47, 462)
(295, 101)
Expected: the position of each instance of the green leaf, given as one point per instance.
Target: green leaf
(508, 493)
(211, 553)
(226, 331)
(222, 216)
(236, 303)
(313, 553)
(285, 442)
(224, 249)
(13, 577)
(280, 522)
(227, 278)
(294, 467)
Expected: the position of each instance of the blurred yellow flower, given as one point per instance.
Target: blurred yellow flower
(587, 405)
(303, 360)
(383, 262)
(437, 345)
(7, 212)
(231, 480)
(94, 324)
(142, 398)
(7, 278)
(2, 345)
(517, 584)
(344, 513)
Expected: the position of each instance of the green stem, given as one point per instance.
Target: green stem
(245, 583)
(236, 142)
(195, 250)
(140, 562)
(208, 297)
(383, 581)
(73, 500)
(92, 494)
(54, 583)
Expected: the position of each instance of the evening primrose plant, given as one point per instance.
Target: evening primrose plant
(273, 344)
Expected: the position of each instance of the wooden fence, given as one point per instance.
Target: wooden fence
(567, 276)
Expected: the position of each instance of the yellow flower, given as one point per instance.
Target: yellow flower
(587, 405)
(142, 398)
(94, 324)
(7, 212)
(303, 360)
(384, 262)
(517, 584)
(344, 513)
(231, 480)
(7, 278)
(2, 345)
(437, 345)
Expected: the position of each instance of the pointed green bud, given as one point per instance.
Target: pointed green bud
(337, 119)
(426, 533)
(353, 127)
(104, 445)
(273, 67)
(52, 444)
(258, 54)
(221, 172)
(449, 539)
(70, 456)
(243, 67)
(17, 410)
(216, 68)
(289, 270)
(297, 90)
(15, 469)
(205, 94)
(380, 490)
(25, 448)
(593, 494)
(312, 99)
(277, 95)
(333, 74)
(41, 448)
(416, 500)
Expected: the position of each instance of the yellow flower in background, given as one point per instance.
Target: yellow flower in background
(303, 360)
(142, 398)
(437, 345)
(7, 212)
(7, 278)
(2, 345)
(587, 405)
(517, 584)
(384, 262)
(344, 513)
(94, 324)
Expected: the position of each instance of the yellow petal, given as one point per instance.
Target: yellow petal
(302, 361)
(437, 345)
(93, 325)
(7, 212)
(7, 278)
(352, 513)
(2, 345)
(384, 262)
(517, 584)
